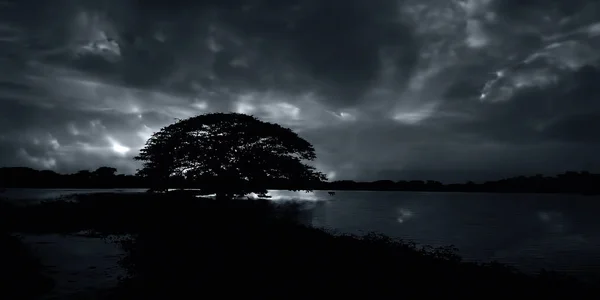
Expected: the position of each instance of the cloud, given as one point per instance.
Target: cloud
(440, 89)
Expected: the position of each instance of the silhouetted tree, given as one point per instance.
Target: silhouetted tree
(104, 177)
(105, 172)
(229, 154)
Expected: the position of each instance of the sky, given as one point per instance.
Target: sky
(449, 90)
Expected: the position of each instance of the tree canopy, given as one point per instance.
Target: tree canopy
(228, 154)
(105, 172)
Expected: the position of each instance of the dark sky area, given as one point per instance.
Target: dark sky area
(411, 89)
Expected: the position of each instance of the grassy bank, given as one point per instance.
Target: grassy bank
(186, 247)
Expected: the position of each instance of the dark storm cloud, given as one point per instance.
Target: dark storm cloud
(246, 44)
(439, 88)
(335, 45)
(561, 111)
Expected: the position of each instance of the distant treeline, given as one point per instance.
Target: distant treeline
(568, 182)
(103, 177)
(107, 177)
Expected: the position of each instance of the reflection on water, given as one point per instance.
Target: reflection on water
(404, 215)
(277, 195)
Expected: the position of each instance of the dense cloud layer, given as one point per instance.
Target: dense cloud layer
(440, 89)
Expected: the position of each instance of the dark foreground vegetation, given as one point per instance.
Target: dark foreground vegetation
(106, 177)
(181, 247)
(21, 274)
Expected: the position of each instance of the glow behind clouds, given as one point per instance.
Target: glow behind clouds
(383, 89)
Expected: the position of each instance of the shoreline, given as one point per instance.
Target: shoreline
(321, 190)
(235, 222)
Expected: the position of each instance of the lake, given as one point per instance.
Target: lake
(529, 231)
